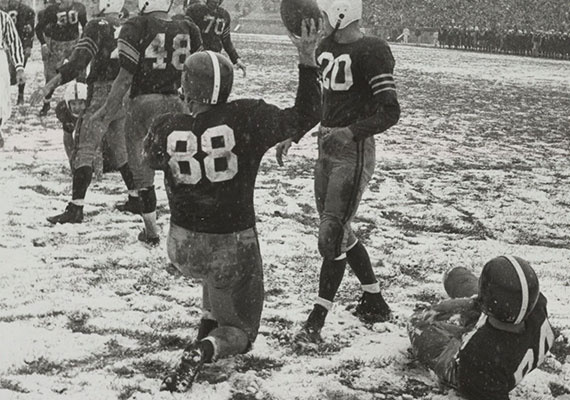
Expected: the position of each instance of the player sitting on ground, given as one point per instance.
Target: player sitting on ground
(503, 331)
(211, 158)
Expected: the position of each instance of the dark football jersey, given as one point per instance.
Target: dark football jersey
(214, 27)
(24, 18)
(61, 23)
(98, 46)
(492, 362)
(357, 79)
(154, 51)
(211, 161)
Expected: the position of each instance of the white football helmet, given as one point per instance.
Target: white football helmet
(75, 96)
(111, 6)
(341, 13)
(148, 6)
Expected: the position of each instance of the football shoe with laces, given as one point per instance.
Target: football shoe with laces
(73, 214)
(372, 308)
(152, 241)
(182, 378)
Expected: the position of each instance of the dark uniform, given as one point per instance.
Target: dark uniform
(97, 46)
(470, 354)
(211, 163)
(58, 28)
(359, 93)
(24, 18)
(214, 27)
(154, 51)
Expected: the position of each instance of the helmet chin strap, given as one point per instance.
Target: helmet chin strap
(337, 25)
(144, 8)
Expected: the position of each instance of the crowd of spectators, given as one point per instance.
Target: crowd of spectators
(525, 27)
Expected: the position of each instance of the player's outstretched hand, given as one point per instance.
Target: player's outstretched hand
(240, 65)
(282, 149)
(308, 42)
(37, 96)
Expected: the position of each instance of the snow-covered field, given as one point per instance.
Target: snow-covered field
(478, 166)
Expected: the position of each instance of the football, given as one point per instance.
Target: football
(294, 11)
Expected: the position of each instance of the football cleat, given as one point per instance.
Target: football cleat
(132, 205)
(73, 214)
(149, 240)
(372, 308)
(45, 109)
(182, 378)
(311, 331)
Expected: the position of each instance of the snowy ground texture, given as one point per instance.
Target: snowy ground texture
(478, 166)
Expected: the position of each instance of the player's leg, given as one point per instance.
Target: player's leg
(88, 141)
(332, 267)
(5, 106)
(231, 266)
(144, 109)
(22, 86)
(115, 137)
(207, 321)
(436, 344)
(372, 306)
(50, 65)
(460, 282)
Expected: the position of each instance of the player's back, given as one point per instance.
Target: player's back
(212, 24)
(348, 73)
(154, 51)
(211, 161)
(492, 362)
(103, 32)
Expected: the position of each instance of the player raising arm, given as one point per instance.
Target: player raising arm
(359, 101)
(488, 357)
(211, 158)
(152, 50)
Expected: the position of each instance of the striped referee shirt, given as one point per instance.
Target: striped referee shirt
(10, 41)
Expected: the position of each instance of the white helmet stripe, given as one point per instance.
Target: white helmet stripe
(524, 287)
(217, 77)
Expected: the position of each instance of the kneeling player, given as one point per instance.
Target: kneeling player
(488, 357)
(211, 158)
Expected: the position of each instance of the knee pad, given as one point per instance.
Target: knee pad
(331, 233)
(148, 199)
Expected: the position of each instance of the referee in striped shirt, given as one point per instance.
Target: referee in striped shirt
(9, 42)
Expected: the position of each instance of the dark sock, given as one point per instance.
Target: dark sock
(207, 350)
(332, 272)
(81, 181)
(359, 262)
(148, 199)
(127, 176)
(21, 88)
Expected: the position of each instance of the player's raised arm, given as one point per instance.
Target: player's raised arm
(294, 122)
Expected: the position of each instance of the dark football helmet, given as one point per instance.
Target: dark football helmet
(213, 4)
(208, 77)
(508, 289)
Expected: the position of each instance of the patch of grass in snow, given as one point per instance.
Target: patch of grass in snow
(41, 366)
(42, 190)
(261, 365)
(12, 386)
(557, 389)
(561, 347)
(152, 368)
(22, 317)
